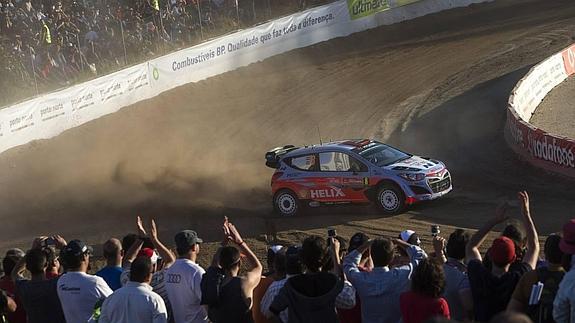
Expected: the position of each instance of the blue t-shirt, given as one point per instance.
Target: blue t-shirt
(112, 276)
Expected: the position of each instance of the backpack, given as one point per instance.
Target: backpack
(543, 312)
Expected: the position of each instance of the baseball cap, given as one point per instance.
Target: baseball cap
(149, 253)
(502, 251)
(357, 240)
(410, 237)
(275, 248)
(186, 239)
(567, 244)
(76, 248)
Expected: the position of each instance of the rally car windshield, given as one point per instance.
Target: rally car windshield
(383, 155)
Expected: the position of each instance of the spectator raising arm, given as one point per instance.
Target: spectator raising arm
(532, 252)
(254, 274)
(346, 298)
(472, 249)
(167, 255)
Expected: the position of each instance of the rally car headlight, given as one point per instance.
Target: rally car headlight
(414, 177)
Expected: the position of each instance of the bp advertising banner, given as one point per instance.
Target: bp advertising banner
(363, 8)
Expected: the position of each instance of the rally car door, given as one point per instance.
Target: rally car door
(310, 183)
(350, 175)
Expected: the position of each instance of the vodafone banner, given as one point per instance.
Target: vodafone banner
(544, 150)
(51, 114)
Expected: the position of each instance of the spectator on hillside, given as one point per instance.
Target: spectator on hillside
(550, 276)
(184, 279)
(492, 289)
(78, 291)
(314, 295)
(231, 298)
(39, 294)
(7, 284)
(457, 289)
(380, 289)
(113, 270)
(424, 301)
(564, 304)
(144, 246)
(293, 267)
(135, 302)
(278, 272)
(353, 315)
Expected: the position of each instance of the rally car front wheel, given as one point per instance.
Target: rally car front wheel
(390, 199)
(286, 203)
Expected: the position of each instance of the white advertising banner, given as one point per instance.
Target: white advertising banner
(50, 115)
(532, 89)
(47, 116)
(249, 46)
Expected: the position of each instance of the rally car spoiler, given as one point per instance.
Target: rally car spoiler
(273, 156)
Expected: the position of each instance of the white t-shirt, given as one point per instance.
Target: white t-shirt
(78, 293)
(134, 303)
(183, 281)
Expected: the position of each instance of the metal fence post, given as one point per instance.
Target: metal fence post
(123, 42)
(200, 16)
(33, 70)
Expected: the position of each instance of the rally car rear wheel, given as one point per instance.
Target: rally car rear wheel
(390, 199)
(286, 203)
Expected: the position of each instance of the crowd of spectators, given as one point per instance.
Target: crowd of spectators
(48, 44)
(323, 279)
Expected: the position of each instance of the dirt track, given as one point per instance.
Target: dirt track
(435, 86)
(556, 113)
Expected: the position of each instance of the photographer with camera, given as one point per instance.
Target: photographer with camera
(314, 295)
(380, 289)
(39, 295)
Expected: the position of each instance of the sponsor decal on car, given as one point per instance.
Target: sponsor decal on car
(333, 192)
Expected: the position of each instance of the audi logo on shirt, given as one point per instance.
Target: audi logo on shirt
(174, 278)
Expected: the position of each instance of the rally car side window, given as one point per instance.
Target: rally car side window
(305, 162)
(340, 162)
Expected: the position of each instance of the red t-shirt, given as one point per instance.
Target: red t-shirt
(7, 285)
(416, 308)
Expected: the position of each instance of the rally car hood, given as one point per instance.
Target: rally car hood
(414, 164)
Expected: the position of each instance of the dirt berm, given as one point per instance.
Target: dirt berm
(435, 86)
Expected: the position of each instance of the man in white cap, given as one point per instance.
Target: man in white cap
(410, 237)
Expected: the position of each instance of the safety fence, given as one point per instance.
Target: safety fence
(538, 147)
(49, 115)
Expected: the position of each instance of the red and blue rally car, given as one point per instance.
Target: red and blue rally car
(353, 171)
